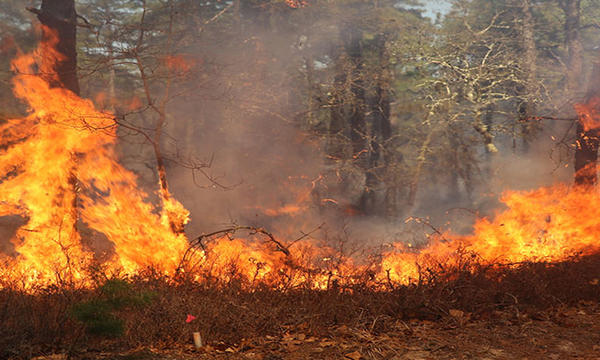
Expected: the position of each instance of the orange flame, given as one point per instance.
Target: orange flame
(547, 224)
(589, 113)
(61, 172)
(179, 63)
(61, 168)
(296, 3)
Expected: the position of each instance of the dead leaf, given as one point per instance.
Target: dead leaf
(326, 343)
(355, 355)
(343, 329)
(456, 313)
(51, 357)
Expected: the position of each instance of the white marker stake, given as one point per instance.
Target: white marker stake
(197, 340)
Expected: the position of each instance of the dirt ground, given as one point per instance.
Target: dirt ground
(561, 333)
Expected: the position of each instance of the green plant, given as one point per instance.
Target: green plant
(100, 315)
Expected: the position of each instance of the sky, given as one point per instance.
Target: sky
(433, 7)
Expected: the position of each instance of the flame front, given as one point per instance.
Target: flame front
(61, 172)
(547, 224)
(60, 168)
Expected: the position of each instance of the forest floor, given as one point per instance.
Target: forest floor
(547, 311)
(558, 333)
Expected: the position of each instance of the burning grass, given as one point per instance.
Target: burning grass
(228, 312)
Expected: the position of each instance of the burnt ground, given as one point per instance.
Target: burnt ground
(558, 333)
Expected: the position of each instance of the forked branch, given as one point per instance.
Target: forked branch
(232, 230)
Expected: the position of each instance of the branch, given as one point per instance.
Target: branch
(592, 25)
(219, 14)
(484, 30)
(253, 230)
(87, 23)
(538, 118)
(36, 11)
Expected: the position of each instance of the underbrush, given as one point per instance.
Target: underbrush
(151, 310)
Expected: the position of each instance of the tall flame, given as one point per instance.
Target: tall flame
(61, 168)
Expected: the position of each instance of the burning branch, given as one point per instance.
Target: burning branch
(230, 231)
(198, 241)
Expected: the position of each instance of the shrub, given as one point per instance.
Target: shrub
(99, 315)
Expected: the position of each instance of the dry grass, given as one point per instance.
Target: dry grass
(42, 322)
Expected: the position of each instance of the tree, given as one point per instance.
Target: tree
(58, 67)
(59, 27)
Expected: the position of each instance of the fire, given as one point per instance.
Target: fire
(296, 3)
(61, 172)
(589, 113)
(259, 262)
(547, 224)
(179, 63)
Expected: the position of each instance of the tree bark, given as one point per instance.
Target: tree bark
(358, 126)
(59, 68)
(59, 20)
(588, 142)
(527, 106)
(586, 150)
(572, 9)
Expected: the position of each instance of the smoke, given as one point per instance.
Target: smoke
(247, 120)
(242, 111)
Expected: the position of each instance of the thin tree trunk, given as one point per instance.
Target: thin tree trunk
(572, 9)
(527, 107)
(358, 127)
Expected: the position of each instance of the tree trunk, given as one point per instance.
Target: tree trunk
(527, 106)
(59, 20)
(59, 30)
(380, 131)
(571, 9)
(586, 155)
(586, 150)
(358, 126)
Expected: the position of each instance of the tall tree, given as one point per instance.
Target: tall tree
(59, 21)
(59, 67)
(527, 107)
